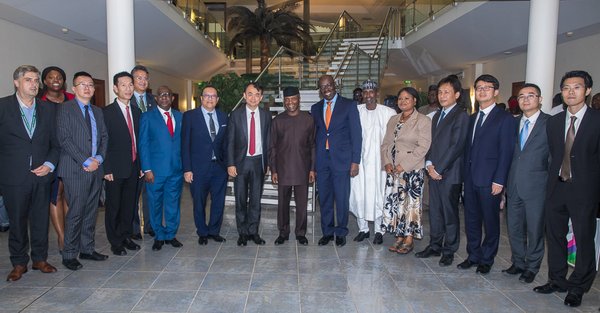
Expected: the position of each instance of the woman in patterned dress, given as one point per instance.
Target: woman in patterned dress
(403, 150)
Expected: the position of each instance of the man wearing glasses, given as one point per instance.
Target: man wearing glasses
(203, 149)
(83, 140)
(488, 154)
(525, 190)
(160, 154)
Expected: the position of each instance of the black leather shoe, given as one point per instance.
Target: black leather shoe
(378, 239)
(130, 245)
(94, 256)
(527, 277)
(242, 240)
(466, 264)
(548, 288)
(302, 240)
(174, 242)
(136, 236)
(573, 300)
(118, 250)
(340, 241)
(72, 264)
(4, 229)
(217, 238)
(202, 240)
(281, 240)
(446, 260)
(361, 236)
(428, 252)
(150, 232)
(483, 269)
(157, 245)
(325, 240)
(257, 240)
(513, 270)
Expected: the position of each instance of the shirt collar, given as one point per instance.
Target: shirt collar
(162, 112)
(121, 104)
(22, 104)
(532, 119)
(205, 111)
(448, 109)
(579, 113)
(489, 109)
(137, 94)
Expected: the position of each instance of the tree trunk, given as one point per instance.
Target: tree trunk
(248, 46)
(265, 52)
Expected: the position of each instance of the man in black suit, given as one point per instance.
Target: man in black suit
(28, 156)
(83, 138)
(145, 102)
(122, 166)
(444, 166)
(572, 189)
(247, 148)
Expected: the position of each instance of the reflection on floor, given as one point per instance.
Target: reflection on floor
(358, 277)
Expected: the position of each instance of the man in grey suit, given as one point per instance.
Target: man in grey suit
(83, 140)
(526, 187)
(444, 164)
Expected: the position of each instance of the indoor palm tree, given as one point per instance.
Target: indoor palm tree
(267, 25)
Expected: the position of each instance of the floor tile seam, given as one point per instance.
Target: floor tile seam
(38, 297)
(505, 296)
(204, 278)
(250, 281)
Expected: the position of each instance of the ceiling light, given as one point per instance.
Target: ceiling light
(65, 30)
(569, 34)
(507, 52)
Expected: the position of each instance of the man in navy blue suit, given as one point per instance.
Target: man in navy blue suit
(338, 142)
(488, 154)
(203, 151)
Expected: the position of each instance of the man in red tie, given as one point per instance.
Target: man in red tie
(160, 155)
(247, 162)
(121, 166)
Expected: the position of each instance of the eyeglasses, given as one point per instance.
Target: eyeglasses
(484, 88)
(85, 85)
(529, 97)
(326, 86)
(164, 94)
(574, 88)
(207, 96)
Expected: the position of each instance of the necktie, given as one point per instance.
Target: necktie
(88, 119)
(169, 123)
(524, 133)
(211, 125)
(252, 148)
(479, 122)
(565, 168)
(441, 117)
(327, 120)
(130, 126)
(142, 105)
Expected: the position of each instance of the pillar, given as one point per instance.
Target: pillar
(120, 38)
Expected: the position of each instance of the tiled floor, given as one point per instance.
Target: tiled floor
(359, 277)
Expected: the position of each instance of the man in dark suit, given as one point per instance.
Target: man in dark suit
(247, 144)
(572, 189)
(526, 187)
(28, 156)
(160, 154)
(145, 102)
(203, 153)
(338, 142)
(83, 139)
(444, 165)
(488, 153)
(122, 166)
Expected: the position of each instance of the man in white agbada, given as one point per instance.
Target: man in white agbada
(367, 188)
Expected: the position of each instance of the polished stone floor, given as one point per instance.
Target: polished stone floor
(359, 277)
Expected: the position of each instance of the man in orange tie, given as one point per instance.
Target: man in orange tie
(338, 142)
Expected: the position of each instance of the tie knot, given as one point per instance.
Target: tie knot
(481, 114)
(573, 118)
(209, 114)
(167, 114)
(252, 113)
(329, 103)
(526, 122)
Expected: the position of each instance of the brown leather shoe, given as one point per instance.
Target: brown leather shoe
(43, 267)
(16, 273)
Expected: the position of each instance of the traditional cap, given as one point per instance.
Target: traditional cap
(290, 91)
(369, 85)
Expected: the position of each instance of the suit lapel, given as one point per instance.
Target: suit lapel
(244, 123)
(15, 111)
(489, 120)
(536, 131)
(337, 112)
(582, 131)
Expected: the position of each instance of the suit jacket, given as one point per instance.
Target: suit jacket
(196, 145)
(448, 144)
(344, 134)
(150, 101)
(76, 140)
(118, 153)
(237, 136)
(17, 150)
(412, 143)
(585, 156)
(159, 152)
(529, 167)
(488, 156)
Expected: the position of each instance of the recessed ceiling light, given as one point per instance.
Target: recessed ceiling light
(65, 30)
(507, 52)
(569, 34)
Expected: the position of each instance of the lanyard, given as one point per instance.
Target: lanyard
(28, 126)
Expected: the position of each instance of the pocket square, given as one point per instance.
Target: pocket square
(224, 125)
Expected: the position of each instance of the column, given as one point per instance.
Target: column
(189, 95)
(120, 38)
(541, 48)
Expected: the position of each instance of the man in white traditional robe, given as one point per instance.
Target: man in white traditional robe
(367, 188)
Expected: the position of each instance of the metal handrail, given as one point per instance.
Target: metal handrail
(333, 29)
(384, 29)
